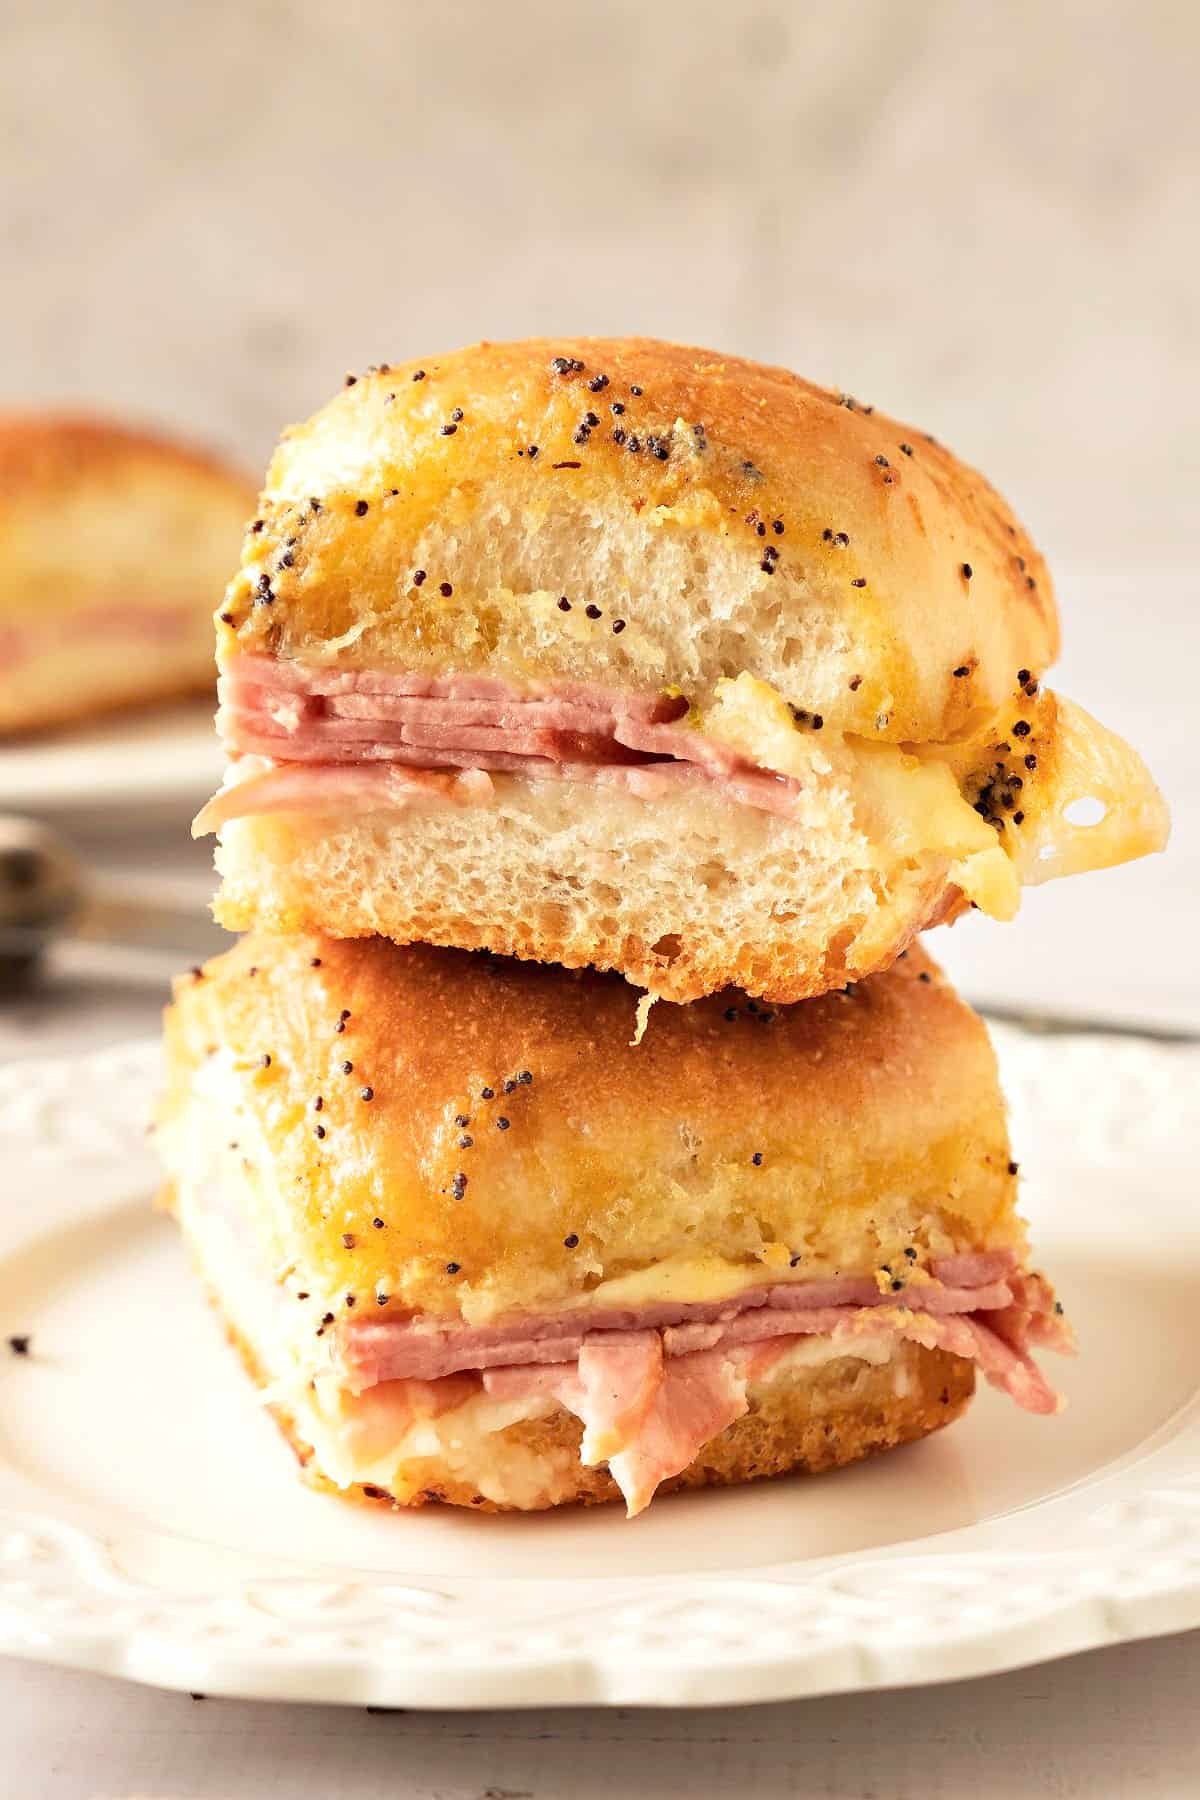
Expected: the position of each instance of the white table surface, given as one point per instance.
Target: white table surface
(1119, 1724)
(1113, 1725)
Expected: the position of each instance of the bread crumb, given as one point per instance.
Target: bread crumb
(641, 1019)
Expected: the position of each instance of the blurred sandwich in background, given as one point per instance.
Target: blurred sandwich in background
(114, 548)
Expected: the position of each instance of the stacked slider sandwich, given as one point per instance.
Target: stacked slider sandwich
(553, 668)
(110, 543)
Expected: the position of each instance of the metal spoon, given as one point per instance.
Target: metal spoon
(41, 892)
(46, 894)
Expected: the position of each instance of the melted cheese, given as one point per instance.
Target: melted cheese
(688, 1280)
(1080, 760)
(990, 879)
(752, 718)
(910, 802)
(908, 807)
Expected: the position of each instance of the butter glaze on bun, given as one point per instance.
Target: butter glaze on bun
(876, 1117)
(666, 536)
(114, 545)
(618, 653)
(480, 1247)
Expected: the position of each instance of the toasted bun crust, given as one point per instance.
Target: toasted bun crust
(841, 1131)
(821, 1419)
(113, 547)
(761, 524)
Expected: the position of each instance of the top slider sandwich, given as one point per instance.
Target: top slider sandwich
(113, 547)
(614, 652)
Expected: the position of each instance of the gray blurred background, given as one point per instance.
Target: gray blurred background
(980, 217)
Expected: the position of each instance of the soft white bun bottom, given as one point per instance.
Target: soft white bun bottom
(683, 895)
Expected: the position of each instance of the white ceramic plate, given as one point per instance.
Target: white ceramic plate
(152, 1524)
(164, 754)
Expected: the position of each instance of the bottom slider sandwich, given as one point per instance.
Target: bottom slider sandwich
(478, 1247)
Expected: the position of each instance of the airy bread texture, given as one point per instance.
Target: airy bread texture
(808, 1421)
(692, 892)
(113, 549)
(734, 516)
(322, 1087)
(838, 601)
(683, 896)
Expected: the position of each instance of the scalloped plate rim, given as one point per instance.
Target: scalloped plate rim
(1133, 1572)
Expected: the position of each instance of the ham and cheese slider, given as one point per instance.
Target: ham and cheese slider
(477, 1248)
(611, 652)
(114, 548)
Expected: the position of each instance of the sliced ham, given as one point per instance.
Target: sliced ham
(375, 1422)
(756, 1361)
(286, 675)
(754, 1327)
(301, 717)
(620, 1376)
(974, 1268)
(263, 787)
(650, 1399)
(373, 1350)
(650, 1416)
(697, 1398)
(533, 1381)
(343, 789)
(971, 1337)
(1034, 1317)
(310, 716)
(1006, 1363)
(1012, 1370)
(646, 1417)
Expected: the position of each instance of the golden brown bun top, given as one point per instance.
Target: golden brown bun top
(760, 523)
(91, 508)
(842, 1128)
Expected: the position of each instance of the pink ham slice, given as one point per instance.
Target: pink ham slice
(1004, 1366)
(373, 1350)
(267, 788)
(652, 1386)
(697, 1398)
(1006, 1363)
(262, 693)
(1035, 1317)
(301, 717)
(342, 790)
(375, 1423)
(650, 1400)
(531, 1381)
(1011, 1370)
(650, 1414)
(620, 1378)
(974, 1268)
(647, 1418)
